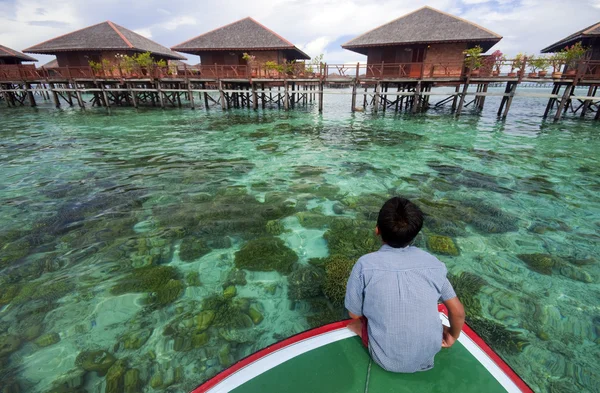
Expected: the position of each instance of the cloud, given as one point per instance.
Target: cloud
(144, 32)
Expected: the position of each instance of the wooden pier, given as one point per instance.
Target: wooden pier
(382, 87)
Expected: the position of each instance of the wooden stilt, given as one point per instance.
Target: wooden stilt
(513, 89)
(586, 103)
(376, 98)
(417, 105)
(286, 102)
(353, 96)
(54, 95)
(263, 96)
(30, 94)
(205, 96)
(254, 97)
(462, 98)
(455, 99)
(222, 95)
(321, 88)
(563, 101)
(190, 95)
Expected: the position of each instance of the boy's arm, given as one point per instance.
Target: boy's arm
(355, 293)
(456, 316)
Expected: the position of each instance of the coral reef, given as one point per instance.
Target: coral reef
(235, 277)
(337, 272)
(136, 339)
(541, 263)
(115, 377)
(192, 249)
(99, 361)
(305, 282)
(314, 220)
(192, 279)
(351, 238)
(47, 340)
(229, 292)
(275, 227)
(467, 286)
(266, 254)
(8, 344)
(498, 336)
(442, 245)
(228, 312)
(161, 282)
(255, 311)
(131, 381)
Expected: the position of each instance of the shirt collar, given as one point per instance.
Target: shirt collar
(387, 247)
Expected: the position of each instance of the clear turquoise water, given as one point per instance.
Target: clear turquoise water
(88, 199)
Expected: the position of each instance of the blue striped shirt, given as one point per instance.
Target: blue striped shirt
(397, 290)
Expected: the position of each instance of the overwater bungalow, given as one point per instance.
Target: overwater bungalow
(588, 37)
(11, 56)
(426, 42)
(227, 45)
(51, 64)
(103, 41)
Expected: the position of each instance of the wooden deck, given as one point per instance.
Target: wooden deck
(252, 87)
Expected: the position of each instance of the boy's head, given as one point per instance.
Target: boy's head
(399, 222)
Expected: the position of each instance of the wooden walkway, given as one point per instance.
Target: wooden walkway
(382, 87)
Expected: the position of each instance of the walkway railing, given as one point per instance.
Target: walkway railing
(508, 69)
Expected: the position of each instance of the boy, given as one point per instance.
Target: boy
(396, 290)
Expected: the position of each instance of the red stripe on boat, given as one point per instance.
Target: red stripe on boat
(267, 351)
(508, 371)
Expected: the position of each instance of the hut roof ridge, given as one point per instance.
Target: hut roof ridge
(13, 53)
(243, 34)
(105, 35)
(593, 30)
(384, 34)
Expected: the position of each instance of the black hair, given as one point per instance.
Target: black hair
(399, 222)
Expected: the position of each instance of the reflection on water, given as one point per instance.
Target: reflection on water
(150, 249)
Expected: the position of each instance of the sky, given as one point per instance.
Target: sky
(315, 26)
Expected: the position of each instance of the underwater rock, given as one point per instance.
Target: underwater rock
(228, 312)
(442, 245)
(351, 238)
(576, 274)
(136, 339)
(70, 382)
(200, 339)
(99, 361)
(182, 343)
(225, 358)
(131, 381)
(229, 292)
(31, 332)
(239, 336)
(235, 277)
(337, 272)
(47, 340)
(115, 377)
(338, 208)
(192, 279)
(192, 249)
(256, 313)
(305, 282)
(275, 227)
(541, 263)
(266, 254)
(204, 320)
(156, 381)
(8, 344)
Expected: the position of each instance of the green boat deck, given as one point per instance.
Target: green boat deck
(343, 366)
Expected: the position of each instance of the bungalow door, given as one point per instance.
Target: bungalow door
(418, 55)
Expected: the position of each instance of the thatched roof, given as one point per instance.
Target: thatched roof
(424, 26)
(13, 54)
(245, 34)
(103, 36)
(51, 64)
(592, 31)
